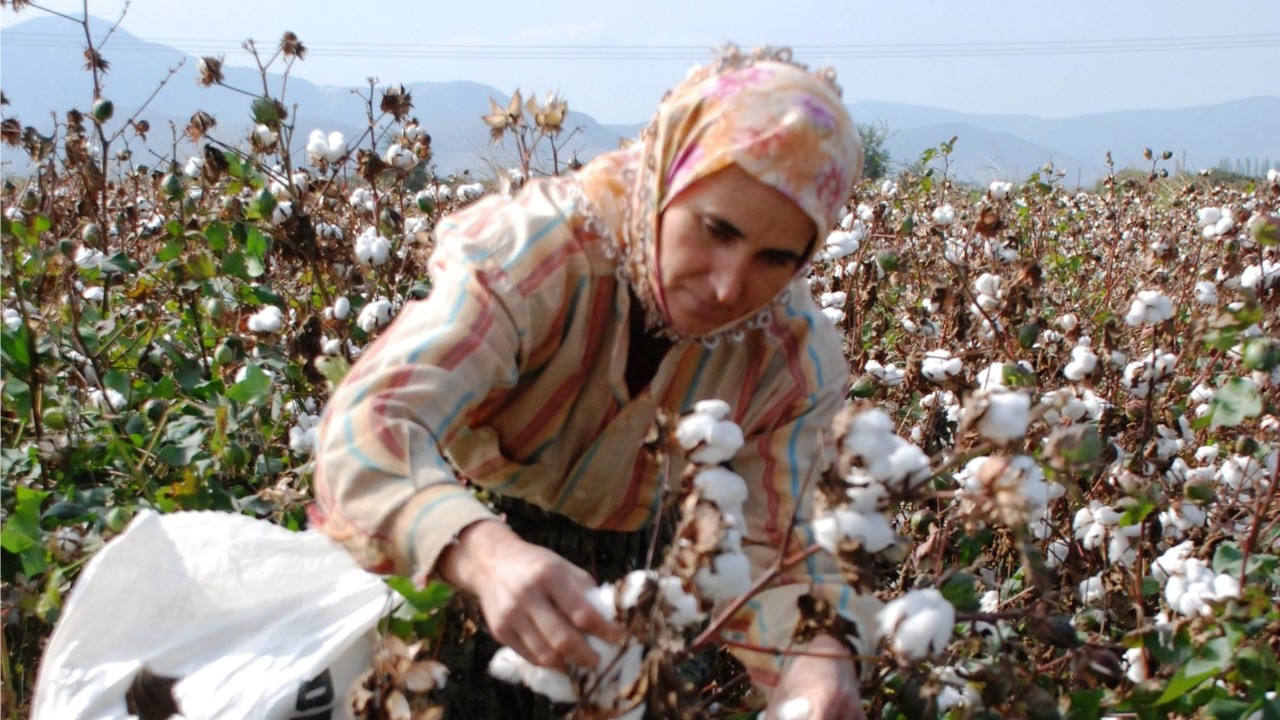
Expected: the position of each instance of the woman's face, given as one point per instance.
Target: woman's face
(727, 244)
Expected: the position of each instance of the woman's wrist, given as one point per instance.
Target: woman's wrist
(463, 561)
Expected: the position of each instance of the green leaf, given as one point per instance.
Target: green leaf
(961, 590)
(14, 344)
(181, 454)
(1181, 683)
(22, 535)
(1233, 402)
(1085, 705)
(218, 235)
(430, 598)
(1212, 657)
(256, 244)
(261, 205)
(1226, 709)
(255, 386)
(171, 251)
(65, 512)
(1014, 375)
(234, 265)
(41, 223)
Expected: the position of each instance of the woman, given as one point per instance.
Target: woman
(564, 320)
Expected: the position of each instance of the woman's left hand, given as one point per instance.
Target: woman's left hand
(829, 684)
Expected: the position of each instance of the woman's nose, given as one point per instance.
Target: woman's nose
(729, 276)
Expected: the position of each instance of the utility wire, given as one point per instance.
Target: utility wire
(689, 52)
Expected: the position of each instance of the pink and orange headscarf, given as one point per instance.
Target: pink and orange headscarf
(781, 123)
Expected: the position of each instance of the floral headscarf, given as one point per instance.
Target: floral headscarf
(783, 125)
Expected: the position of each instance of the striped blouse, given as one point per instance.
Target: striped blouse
(512, 374)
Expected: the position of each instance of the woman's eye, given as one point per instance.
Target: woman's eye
(780, 258)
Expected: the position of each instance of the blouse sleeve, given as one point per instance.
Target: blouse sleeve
(384, 487)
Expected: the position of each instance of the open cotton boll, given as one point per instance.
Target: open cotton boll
(711, 441)
(1150, 307)
(728, 577)
(1006, 416)
(939, 365)
(918, 624)
(372, 248)
(871, 531)
(1083, 363)
(794, 709)
(1092, 592)
(605, 599)
(508, 666)
(267, 320)
(682, 606)
(721, 486)
(944, 215)
(841, 243)
(374, 315)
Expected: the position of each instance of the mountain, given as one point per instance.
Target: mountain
(41, 71)
(1199, 137)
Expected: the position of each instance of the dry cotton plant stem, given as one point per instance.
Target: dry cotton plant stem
(1255, 528)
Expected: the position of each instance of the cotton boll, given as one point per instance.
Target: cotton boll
(1006, 416)
(605, 599)
(267, 320)
(508, 666)
(918, 624)
(721, 486)
(1135, 663)
(939, 365)
(682, 606)
(728, 577)
(1092, 591)
(795, 709)
(1056, 553)
(1206, 293)
(1083, 363)
(374, 315)
(341, 308)
(372, 248)
(1150, 307)
(944, 215)
(717, 409)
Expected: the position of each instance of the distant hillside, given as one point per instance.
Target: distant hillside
(40, 77)
(1199, 136)
(40, 72)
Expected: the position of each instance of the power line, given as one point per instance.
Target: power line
(868, 51)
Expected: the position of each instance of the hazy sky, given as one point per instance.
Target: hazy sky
(613, 60)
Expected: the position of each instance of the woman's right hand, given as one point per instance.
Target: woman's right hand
(533, 600)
